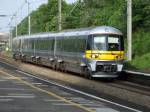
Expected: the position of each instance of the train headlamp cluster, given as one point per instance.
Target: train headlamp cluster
(94, 56)
(119, 56)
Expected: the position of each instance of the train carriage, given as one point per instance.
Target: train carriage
(93, 52)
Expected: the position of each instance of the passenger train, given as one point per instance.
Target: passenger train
(93, 52)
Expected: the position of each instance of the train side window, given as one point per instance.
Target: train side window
(66, 44)
(32, 44)
(40, 44)
(52, 44)
(75, 44)
(81, 44)
(58, 44)
(37, 44)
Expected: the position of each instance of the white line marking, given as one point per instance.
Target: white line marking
(39, 84)
(65, 93)
(23, 77)
(20, 94)
(92, 105)
(36, 83)
(5, 100)
(9, 78)
(105, 110)
(2, 80)
(49, 100)
(13, 96)
(83, 93)
(79, 100)
(13, 89)
(76, 98)
(62, 104)
(43, 85)
(86, 102)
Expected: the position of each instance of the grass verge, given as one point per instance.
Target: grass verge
(139, 63)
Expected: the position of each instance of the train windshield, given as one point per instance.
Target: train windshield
(99, 43)
(108, 43)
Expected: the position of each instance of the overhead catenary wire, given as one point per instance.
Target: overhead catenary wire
(15, 14)
(36, 1)
(19, 9)
(74, 8)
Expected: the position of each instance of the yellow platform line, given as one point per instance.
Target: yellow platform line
(49, 93)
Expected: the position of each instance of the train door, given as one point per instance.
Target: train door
(20, 46)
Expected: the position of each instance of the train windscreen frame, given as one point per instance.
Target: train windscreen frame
(105, 42)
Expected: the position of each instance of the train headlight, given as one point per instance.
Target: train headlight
(119, 56)
(94, 56)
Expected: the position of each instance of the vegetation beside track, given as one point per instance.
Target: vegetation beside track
(141, 62)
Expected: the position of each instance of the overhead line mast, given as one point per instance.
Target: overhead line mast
(29, 17)
(59, 16)
(129, 29)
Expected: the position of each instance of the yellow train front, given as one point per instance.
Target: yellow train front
(104, 55)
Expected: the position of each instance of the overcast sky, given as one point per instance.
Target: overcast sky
(9, 7)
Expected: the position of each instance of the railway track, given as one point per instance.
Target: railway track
(137, 88)
(126, 85)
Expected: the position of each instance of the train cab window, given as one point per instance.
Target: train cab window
(113, 43)
(99, 43)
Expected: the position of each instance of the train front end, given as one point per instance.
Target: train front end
(105, 52)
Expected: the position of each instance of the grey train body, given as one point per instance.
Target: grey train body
(66, 51)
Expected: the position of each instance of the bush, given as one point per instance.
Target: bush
(142, 62)
(141, 43)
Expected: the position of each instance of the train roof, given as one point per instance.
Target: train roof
(82, 31)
